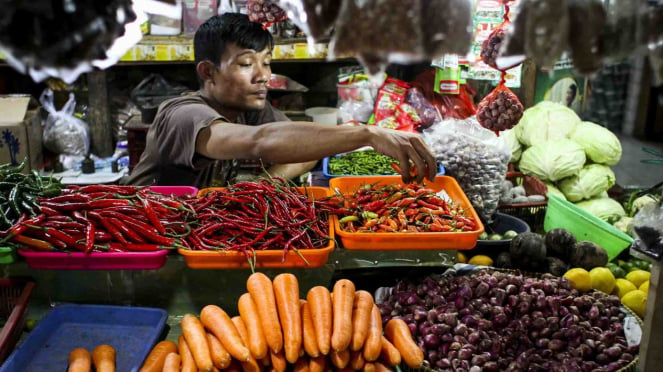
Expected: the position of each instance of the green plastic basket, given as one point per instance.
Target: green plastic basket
(584, 226)
(7, 255)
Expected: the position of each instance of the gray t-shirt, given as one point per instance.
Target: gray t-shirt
(170, 156)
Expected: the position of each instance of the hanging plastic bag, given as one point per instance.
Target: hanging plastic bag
(314, 17)
(476, 157)
(450, 34)
(499, 110)
(63, 132)
(648, 227)
(265, 12)
(586, 23)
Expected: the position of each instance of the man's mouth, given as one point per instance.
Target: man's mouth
(260, 93)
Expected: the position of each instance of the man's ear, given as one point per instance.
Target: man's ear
(205, 70)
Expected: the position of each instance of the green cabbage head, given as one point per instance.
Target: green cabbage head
(592, 180)
(552, 160)
(546, 121)
(607, 209)
(599, 143)
(552, 189)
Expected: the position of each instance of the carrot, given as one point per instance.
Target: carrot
(103, 357)
(357, 360)
(379, 367)
(389, 354)
(399, 334)
(369, 367)
(301, 365)
(279, 363)
(188, 363)
(79, 360)
(344, 296)
(220, 356)
(286, 292)
(361, 315)
(233, 367)
(340, 359)
(249, 313)
(194, 334)
(250, 365)
(173, 363)
(319, 300)
(262, 292)
(218, 322)
(373, 344)
(308, 331)
(157, 356)
(317, 364)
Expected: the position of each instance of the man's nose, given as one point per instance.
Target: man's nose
(263, 74)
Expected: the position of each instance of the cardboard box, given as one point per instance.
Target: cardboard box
(20, 131)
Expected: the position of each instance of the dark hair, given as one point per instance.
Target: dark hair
(211, 37)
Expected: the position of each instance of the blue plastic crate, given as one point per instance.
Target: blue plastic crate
(325, 170)
(132, 331)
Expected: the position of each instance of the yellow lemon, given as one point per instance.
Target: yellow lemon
(461, 258)
(637, 277)
(644, 287)
(481, 260)
(636, 301)
(602, 279)
(579, 279)
(622, 287)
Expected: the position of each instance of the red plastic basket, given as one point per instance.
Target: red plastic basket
(14, 296)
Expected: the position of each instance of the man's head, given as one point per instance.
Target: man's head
(233, 56)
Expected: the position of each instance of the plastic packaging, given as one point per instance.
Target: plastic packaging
(314, 17)
(648, 227)
(475, 156)
(499, 110)
(425, 110)
(446, 27)
(195, 12)
(265, 11)
(63, 132)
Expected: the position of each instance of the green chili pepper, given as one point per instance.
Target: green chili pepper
(347, 219)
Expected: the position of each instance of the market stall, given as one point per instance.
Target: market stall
(521, 254)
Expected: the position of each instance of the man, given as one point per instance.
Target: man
(229, 118)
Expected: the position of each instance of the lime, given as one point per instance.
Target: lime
(602, 279)
(495, 237)
(509, 234)
(617, 271)
(641, 264)
(579, 279)
(628, 267)
(483, 236)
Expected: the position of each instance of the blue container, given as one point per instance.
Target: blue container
(325, 170)
(132, 331)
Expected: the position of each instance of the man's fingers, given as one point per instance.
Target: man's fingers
(404, 164)
(420, 165)
(424, 151)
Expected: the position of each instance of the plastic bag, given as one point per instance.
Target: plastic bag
(586, 22)
(449, 106)
(153, 89)
(476, 157)
(625, 29)
(63, 132)
(446, 27)
(314, 17)
(499, 110)
(265, 11)
(425, 110)
(648, 227)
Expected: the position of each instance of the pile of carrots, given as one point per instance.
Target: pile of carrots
(102, 358)
(276, 330)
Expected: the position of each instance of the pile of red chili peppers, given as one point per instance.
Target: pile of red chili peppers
(103, 218)
(252, 216)
(399, 208)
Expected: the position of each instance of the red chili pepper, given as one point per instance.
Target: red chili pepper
(48, 211)
(68, 239)
(128, 233)
(20, 226)
(411, 212)
(89, 237)
(37, 244)
(105, 203)
(63, 224)
(403, 202)
(117, 189)
(374, 205)
(144, 247)
(67, 198)
(108, 226)
(152, 216)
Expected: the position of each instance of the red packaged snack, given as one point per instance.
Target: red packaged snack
(390, 96)
(265, 12)
(499, 110)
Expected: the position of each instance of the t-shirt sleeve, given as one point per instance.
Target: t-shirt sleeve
(267, 115)
(177, 139)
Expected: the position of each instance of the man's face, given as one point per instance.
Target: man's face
(240, 83)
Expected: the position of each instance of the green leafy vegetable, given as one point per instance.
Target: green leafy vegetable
(592, 180)
(599, 143)
(552, 160)
(546, 121)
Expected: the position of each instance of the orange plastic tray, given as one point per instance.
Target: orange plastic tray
(267, 259)
(406, 241)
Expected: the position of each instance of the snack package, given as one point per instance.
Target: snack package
(407, 118)
(427, 113)
(499, 110)
(475, 157)
(390, 96)
(586, 22)
(448, 106)
(265, 12)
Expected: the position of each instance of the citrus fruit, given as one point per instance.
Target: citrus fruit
(602, 279)
(510, 234)
(637, 277)
(461, 258)
(622, 287)
(481, 260)
(636, 301)
(579, 279)
(644, 287)
(617, 271)
(641, 264)
(483, 236)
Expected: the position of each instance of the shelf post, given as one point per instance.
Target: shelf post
(101, 143)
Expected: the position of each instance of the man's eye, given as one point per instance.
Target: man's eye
(245, 65)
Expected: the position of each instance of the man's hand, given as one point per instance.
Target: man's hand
(409, 149)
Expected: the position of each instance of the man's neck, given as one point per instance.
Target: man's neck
(228, 113)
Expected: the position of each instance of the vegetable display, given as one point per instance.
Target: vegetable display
(226, 341)
(102, 218)
(19, 192)
(361, 163)
(252, 216)
(500, 321)
(399, 208)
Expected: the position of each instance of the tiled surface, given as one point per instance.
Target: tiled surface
(630, 171)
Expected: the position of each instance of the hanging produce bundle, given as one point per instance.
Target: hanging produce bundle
(265, 12)
(586, 21)
(491, 47)
(500, 110)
